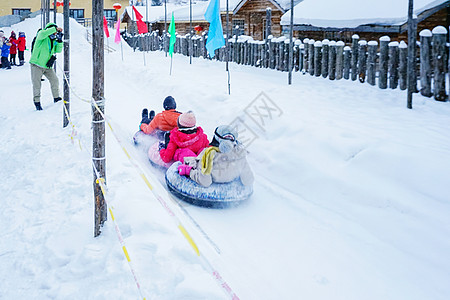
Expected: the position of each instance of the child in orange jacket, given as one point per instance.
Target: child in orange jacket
(162, 122)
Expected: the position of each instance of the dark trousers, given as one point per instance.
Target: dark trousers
(12, 59)
(5, 63)
(21, 56)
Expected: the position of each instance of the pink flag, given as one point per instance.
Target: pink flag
(105, 27)
(117, 38)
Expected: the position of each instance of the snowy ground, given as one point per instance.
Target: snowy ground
(351, 199)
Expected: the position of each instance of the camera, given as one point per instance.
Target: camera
(59, 36)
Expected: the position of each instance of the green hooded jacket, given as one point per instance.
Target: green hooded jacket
(44, 47)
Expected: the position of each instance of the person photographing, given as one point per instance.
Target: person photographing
(47, 43)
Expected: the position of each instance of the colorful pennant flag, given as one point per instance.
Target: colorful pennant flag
(105, 27)
(142, 27)
(117, 37)
(215, 33)
(173, 37)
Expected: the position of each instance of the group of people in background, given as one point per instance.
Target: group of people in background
(222, 160)
(10, 47)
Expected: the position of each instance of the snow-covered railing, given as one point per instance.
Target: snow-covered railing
(381, 63)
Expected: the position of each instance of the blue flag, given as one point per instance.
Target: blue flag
(215, 34)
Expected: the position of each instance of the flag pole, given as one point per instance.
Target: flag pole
(165, 26)
(190, 31)
(171, 59)
(227, 52)
(291, 43)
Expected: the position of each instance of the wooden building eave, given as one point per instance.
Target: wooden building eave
(242, 2)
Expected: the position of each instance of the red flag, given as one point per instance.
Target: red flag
(142, 27)
(105, 27)
(138, 15)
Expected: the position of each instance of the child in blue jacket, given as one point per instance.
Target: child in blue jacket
(5, 54)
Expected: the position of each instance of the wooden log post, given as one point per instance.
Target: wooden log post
(332, 61)
(372, 62)
(301, 58)
(439, 62)
(98, 123)
(355, 48)
(393, 65)
(281, 55)
(403, 65)
(286, 55)
(297, 57)
(384, 58)
(347, 61)
(311, 57)
(66, 81)
(425, 63)
(272, 53)
(246, 52)
(339, 59)
(325, 57)
(305, 56)
(362, 60)
(268, 32)
(317, 58)
(263, 52)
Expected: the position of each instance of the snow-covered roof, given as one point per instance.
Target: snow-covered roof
(354, 13)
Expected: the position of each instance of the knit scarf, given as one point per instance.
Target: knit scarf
(207, 159)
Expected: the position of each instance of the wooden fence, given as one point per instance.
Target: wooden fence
(384, 60)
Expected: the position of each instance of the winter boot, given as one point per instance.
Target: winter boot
(166, 138)
(151, 115)
(38, 105)
(57, 99)
(145, 113)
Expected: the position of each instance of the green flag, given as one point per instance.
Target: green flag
(173, 37)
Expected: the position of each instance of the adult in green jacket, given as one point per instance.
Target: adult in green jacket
(47, 43)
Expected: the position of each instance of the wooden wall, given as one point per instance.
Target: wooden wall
(253, 12)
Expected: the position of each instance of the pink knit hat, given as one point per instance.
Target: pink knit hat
(186, 120)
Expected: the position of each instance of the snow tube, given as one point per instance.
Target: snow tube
(217, 195)
(155, 158)
(144, 140)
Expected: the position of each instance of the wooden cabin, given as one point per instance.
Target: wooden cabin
(427, 18)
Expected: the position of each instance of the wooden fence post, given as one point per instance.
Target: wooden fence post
(325, 57)
(301, 58)
(305, 55)
(317, 58)
(332, 61)
(393, 65)
(297, 55)
(311, 57)
(347, 61)
(281, 55)
(355, 39)
(439, 61)
(403, 65)
(339, 59)
(362, 60)
(272, 51)
(425, 63)
(384, 56)
(371, 62)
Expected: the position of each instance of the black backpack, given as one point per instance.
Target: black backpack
(34, 40)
